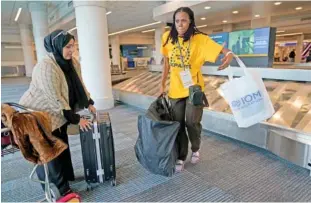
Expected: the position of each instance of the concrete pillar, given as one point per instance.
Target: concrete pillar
(27, 40)
(92, 30)
(39, 17)
(115, 48)
(299, 48)
(158, 42)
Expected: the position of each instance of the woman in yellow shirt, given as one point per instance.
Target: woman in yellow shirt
(185, 49)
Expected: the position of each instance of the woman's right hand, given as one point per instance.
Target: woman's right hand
(85, 124)
(162, 90)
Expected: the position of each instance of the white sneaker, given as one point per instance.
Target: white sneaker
(179, 167)
(195, 158)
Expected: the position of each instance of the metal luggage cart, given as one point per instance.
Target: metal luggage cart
(52, 193)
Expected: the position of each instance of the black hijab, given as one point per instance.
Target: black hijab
(55, 45)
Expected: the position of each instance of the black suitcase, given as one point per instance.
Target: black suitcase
(98, 150)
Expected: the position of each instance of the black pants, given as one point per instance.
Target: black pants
(60, 168)
(189, 117)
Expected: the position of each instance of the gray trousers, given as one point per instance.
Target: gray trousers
(189, 117)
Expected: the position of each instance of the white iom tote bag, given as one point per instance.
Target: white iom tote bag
(247, 97)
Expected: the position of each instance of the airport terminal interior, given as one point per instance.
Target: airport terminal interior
(118, 44)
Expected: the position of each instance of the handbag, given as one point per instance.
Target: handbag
(197, 97)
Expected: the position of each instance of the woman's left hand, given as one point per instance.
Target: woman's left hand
(92, 109)
(226, 61)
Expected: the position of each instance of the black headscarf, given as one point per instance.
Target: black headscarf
(55, 45)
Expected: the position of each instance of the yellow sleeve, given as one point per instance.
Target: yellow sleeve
(164, 50)
(210, 49)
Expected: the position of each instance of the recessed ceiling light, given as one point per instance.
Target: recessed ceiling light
(298, 8)
(235, 12)
(224, 21)
(72, 29)
(201, 26)
(13, 47)
(108, 12)
(291, 34)
(134, 28)
(277, 3)
(203, 18)
(18, 13)
(148, 31)
(257, 16)
(207, 7)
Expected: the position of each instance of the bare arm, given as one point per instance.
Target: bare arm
(166, 69)
(227, 58)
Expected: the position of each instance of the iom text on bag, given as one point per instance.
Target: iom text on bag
(246, 101)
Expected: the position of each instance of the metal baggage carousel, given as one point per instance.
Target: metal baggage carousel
(287, 133)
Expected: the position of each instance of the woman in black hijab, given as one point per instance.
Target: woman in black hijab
(58, 89)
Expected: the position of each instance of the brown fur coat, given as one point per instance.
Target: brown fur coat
(36, 146)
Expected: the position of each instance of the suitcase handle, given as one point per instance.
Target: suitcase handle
(91, 117)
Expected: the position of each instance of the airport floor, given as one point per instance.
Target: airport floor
(229, 170)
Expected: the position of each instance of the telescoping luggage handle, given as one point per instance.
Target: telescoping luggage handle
(96, 136)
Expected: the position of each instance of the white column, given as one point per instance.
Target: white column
(27, 40)
(299, 48)
(158, 42)
(39, 18)
(115, 48)
(92, 29)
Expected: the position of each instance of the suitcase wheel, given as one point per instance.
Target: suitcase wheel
(89, 187)
(113, 182)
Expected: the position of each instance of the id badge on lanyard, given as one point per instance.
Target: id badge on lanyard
(186, 78)
(185, 75)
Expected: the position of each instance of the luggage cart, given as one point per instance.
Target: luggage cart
(52, 193)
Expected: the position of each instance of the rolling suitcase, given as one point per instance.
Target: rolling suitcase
(98, 150)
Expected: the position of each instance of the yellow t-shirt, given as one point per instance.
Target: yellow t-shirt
(202, 48)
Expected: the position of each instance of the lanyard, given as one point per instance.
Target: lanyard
(181, 56)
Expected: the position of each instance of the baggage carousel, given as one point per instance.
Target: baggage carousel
(287, 133)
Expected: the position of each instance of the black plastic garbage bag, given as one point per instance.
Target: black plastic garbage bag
(155, 147)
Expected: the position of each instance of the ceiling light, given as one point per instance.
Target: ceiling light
(167, 27)
(235, 12)
(134, 28)
(201, 26)
(142, 47)
(203, 18)
(224, 21)
(13, 47)
(257, 16)
(72, 29)
(207, 7)
(291, 34)
(280, 31)
(18, 13)
(277, 3)
(298, 8)
(148, 31)
(108, 12)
